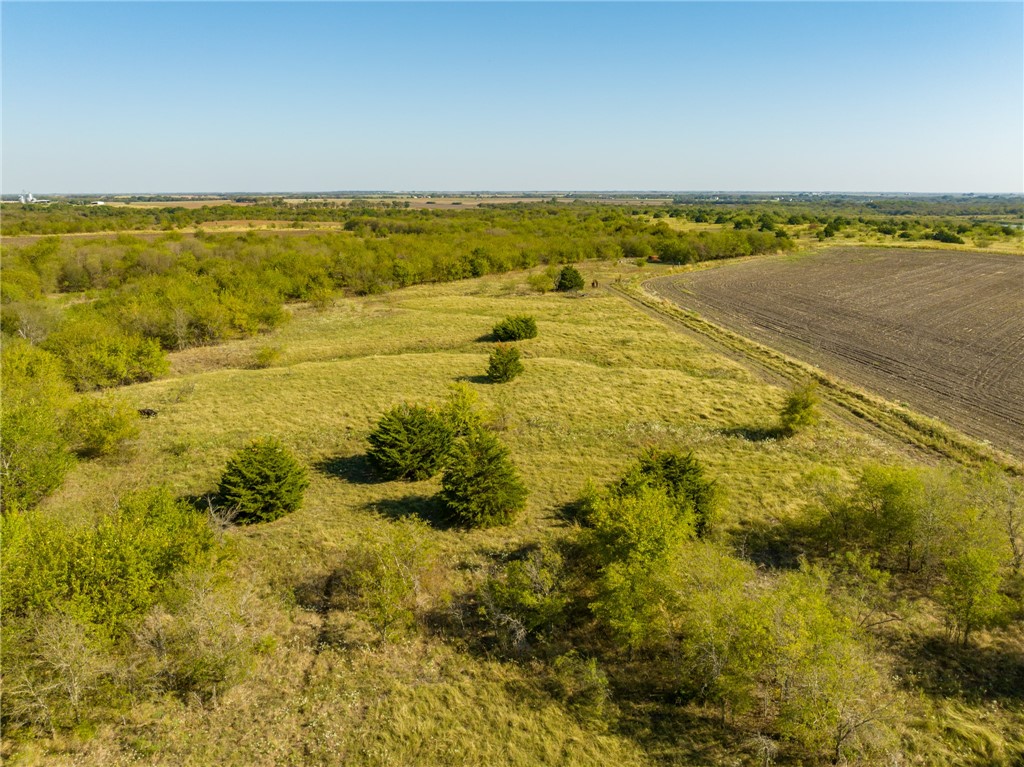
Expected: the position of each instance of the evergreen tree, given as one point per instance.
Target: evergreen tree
(263, 482)
(504, 363)
(569, 279)
(481, 487)
(410, 442)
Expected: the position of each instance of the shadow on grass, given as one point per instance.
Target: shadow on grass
(755, 433)
(486, 338)
(976, 672)
(429, 508)
(356, 469)
(778, 544)
(481, 379)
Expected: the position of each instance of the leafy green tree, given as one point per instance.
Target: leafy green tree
(480, 487)
(970, 597)
(262, 482)
(644, 525)
(831, 694)
(515, 328)
(800, 410)
(413, 441)
(722, 627)
(569, 279)
(504, 364)
(631, 540)
(98, 354)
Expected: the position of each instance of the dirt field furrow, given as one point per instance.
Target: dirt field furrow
(940, 330)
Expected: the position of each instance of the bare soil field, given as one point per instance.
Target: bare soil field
(942, 331)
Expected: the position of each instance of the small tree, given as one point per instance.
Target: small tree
(504, 363)
(800, 409)
(971, 598)
(410, 442)
(569, 279)
(682, 477)
(481, 487)
(515, 328)
(263, 482)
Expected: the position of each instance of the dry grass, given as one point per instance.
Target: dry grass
(602, 381)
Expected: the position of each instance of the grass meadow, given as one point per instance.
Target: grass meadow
(603, 381)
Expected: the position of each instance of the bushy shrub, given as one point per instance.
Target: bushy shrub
(387, 578)
(460, 410)
(800, 410)
(504, 364)
(515, 328)
(108, 574)
(642, 525)
(411, 442)
(682, 477)
(262, 482)
(97, 354)
(101, 426)
(526, 598)
(203, 640)
(97, 615)
(480, 486)
(569, 279)
(265, 357)
(34, 455)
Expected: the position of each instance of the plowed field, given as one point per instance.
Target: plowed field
(940, 330)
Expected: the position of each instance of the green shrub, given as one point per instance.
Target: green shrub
(262, 482)
(682, 477)
(460, 410)
(480, 486)
(265, 357)
(641, 525)
(800, 409)
(526, 599)
(108, 574)
(569, 279)
(504, 363)
(411, 442)
(34, 455)
(203, 639)
(387, 578)
(97, 354)
(101, 426)
(515, 328)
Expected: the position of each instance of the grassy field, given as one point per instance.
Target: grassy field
(603, 381)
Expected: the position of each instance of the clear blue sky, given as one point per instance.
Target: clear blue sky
(159, 97)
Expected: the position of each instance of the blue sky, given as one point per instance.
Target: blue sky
(219, 96)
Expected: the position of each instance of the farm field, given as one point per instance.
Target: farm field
(941, 330)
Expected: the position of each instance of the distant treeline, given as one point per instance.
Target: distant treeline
(146, 296)
(70, 217)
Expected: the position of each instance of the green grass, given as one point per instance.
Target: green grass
(602, 381)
